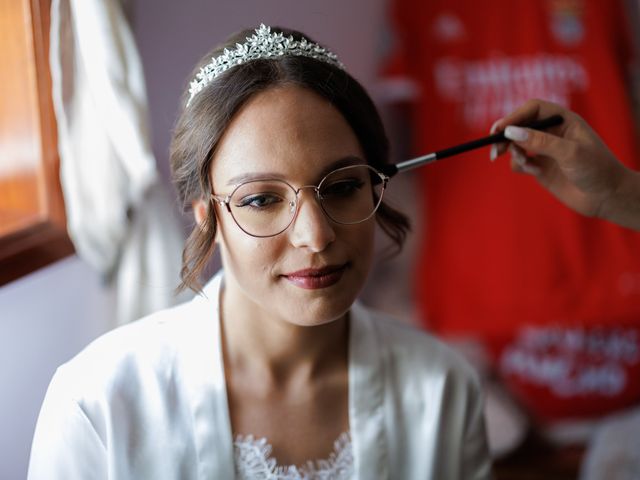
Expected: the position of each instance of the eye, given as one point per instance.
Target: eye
(259, 201)
(341, 188)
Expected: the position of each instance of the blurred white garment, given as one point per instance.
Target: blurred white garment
(614, 451)
(118, 216)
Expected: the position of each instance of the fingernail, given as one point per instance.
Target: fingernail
(493, 154)
(516, 134)
(494, 126)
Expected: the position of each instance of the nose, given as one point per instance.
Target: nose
(311, 228)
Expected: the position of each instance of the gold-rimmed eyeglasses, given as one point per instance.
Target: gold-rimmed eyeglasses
(266, 207)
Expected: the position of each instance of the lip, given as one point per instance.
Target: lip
(316, 278)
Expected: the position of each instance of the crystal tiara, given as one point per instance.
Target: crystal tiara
(263, 44)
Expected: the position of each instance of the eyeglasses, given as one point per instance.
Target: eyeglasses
(265, 208)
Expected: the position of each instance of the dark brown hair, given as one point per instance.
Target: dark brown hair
(202, 124)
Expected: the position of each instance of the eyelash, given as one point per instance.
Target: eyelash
(352, 184)
(247, 201)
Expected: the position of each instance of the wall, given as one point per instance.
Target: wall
(47, 317)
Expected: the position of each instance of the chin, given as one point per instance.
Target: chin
(320, 310)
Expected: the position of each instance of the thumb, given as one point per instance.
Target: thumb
(537, 142)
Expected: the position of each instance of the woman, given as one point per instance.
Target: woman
(273, 371)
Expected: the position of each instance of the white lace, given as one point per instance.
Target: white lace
(254, 462)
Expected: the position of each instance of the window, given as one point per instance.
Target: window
(32, 221)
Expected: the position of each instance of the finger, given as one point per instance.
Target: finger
(515, 166)
(540, 143)
(498, 149)
(502, 148)
(528, 111)
(520, 163)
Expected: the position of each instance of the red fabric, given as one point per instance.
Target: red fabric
(503, 255)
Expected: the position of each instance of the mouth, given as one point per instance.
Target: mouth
(316, 278)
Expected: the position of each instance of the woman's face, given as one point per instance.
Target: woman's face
(311, 273)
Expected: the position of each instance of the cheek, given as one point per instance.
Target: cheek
(245, 257)
(367, 239)
(361, 241)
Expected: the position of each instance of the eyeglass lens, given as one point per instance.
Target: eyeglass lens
(267, 207)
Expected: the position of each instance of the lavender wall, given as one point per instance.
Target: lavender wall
(45, 319)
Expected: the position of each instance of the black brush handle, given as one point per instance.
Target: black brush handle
(549, 122)
(391, 170)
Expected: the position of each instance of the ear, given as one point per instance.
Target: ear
(199, 210)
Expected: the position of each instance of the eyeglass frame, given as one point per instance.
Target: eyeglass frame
(225, 200)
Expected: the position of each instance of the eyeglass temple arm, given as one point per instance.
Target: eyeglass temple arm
(391, 170)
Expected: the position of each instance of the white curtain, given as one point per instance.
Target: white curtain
(119, 217)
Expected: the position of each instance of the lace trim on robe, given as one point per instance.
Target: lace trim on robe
(253, 461)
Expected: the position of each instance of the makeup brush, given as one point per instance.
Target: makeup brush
(391, 170)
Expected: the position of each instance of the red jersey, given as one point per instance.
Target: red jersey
(555, 295)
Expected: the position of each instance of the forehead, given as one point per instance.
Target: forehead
(289, 132)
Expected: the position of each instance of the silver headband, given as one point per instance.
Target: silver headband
(262, 45)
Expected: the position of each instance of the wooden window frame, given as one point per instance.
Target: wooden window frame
(35, 236)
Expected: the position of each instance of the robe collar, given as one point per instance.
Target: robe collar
(211, 420)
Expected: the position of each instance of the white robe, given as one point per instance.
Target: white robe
(148, 401)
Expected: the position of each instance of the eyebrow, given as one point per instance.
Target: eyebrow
(342, 162)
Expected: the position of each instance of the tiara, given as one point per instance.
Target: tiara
(263, 44)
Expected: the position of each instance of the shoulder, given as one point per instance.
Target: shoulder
(135, 382)
(144, 350)
(430, 391)
(157, 334)
(416, 353)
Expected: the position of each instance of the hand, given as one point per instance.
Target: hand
(572, 162)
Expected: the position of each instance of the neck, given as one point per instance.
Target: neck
(279, 350)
